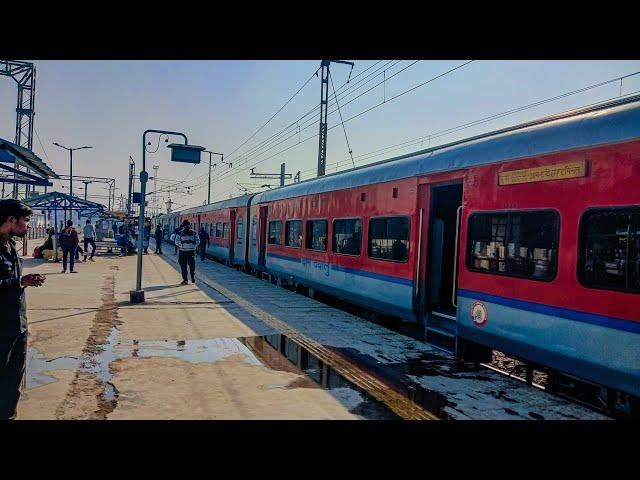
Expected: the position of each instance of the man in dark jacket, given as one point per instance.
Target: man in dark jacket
(69, 241)
(14, 220)
(159, 234)
(204, 243)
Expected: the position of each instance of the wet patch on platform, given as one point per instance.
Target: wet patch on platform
(91, 394)
(279, 352)
(38, 366)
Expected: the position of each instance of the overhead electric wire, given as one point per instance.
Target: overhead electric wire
(296, 122)
(41, 145)
(484, 119)
(352, 86)
(274, 115)
(308, 113)
(343, 127)
(492, 117)
(359, 114)
(313, 121)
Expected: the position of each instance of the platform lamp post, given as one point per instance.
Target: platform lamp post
(179, 153)
(70, 164)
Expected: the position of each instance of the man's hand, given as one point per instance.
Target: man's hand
(32, 280)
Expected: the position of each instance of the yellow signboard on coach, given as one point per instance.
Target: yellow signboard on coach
(559, 171)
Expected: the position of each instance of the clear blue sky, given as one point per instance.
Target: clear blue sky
(219, 104)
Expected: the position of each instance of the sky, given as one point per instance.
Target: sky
(221, 104)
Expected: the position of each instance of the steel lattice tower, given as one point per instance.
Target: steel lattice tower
(24, 74)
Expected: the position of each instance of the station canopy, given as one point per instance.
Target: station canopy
(61, 201)
(11, 153)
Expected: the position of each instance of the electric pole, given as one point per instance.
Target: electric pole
(132, 172)
(85, 188)
(154, 212)
(267, 176)
(214, 166)
(324, 101)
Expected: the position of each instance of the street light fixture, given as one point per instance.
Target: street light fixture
(181, 153)
(70, 164)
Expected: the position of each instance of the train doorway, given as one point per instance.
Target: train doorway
(232, 235)
(262, 237)
(442, 264)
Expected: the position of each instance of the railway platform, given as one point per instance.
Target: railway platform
(236, 347)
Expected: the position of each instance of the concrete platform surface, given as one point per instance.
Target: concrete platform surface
(236, 347)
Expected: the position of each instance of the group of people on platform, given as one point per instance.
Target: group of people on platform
(186, 243)
(69, 243)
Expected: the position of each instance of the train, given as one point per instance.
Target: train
(524, 240)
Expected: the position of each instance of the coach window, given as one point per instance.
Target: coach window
(275, 232)
(609, 249)
(516, 244)
(347, 236)
(225, 230)
(218, 230)
(254, 227)
(316, 235)
(212, 232)
(389, 238)
(240, 230)
(293, 233)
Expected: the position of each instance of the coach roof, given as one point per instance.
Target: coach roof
(230, 203)
(613, 122)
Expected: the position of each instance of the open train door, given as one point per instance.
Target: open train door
(444, 204)
(262, 237)
(232, 234)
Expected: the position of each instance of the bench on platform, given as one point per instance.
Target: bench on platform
(107, 247)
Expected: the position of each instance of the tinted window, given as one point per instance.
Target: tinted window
(609, 249)
(293, 233)
(347, 236)
(316, 235)
(218, 230)
(240, 230)
(519, 244)
(275, 232)
(225, 230)
(389, 238)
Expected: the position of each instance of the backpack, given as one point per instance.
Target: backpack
(65, 237)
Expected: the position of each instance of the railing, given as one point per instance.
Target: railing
(36, 232)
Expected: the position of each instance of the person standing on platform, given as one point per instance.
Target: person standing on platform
(158, 234)
(69, 241)
(187, 242)
(146, 235)
(14, 220)
(89, 239)
(204, 242)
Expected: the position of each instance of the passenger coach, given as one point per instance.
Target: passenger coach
(525, 240)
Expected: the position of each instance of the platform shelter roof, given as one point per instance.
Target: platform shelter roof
(11, 153)
(62, 201)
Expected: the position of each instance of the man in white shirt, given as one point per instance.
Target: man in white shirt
(187, 241)
(89, 235)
